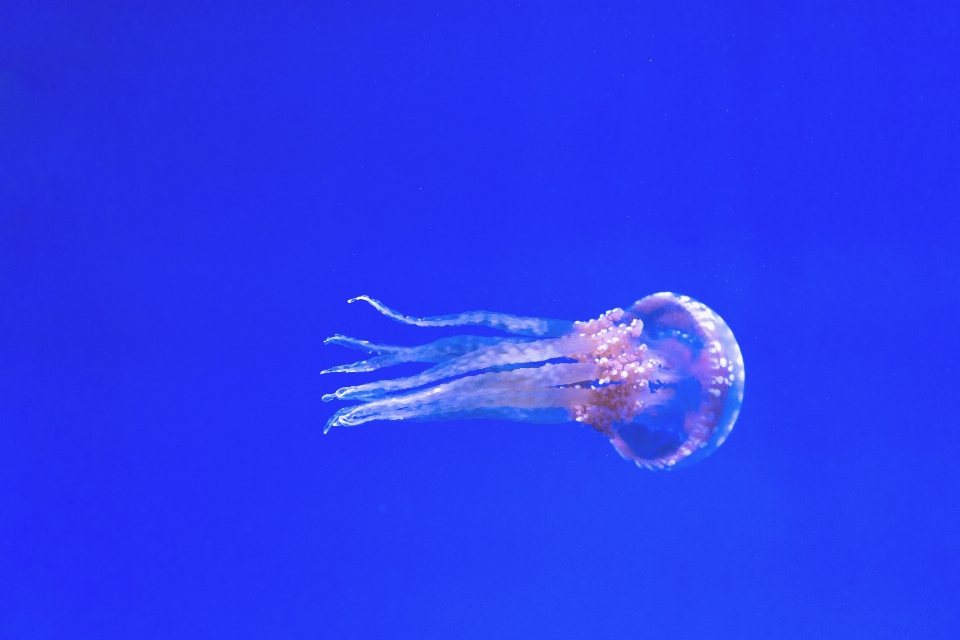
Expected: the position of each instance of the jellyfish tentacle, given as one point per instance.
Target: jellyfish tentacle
(502, 394)
(495, 355)
(548, 411)
(362, 345)
(548, 375)
(539, 405)
(438, 351)
(503, 321)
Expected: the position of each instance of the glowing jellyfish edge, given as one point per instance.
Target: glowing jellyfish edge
(663, 380)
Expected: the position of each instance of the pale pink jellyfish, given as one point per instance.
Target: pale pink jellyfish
(663, 379)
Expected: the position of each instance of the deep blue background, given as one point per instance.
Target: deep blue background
(190, 192)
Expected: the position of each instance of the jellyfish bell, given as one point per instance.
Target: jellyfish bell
(663, 379)
(700, 389)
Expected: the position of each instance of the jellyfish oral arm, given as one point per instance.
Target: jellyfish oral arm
(439, 351)
(480, 358)
(502, 321)
(508, 394)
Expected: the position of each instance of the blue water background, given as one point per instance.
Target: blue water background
(190, 192)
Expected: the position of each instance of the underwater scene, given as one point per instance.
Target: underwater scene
(580, 320)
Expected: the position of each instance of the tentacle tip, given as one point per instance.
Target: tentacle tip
(364, 298)
(327, 397)
(336, 420)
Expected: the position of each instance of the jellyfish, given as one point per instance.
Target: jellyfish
(663, 379)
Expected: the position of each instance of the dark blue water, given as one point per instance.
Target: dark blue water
(190, 192)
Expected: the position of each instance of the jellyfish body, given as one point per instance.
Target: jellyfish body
(663, 379)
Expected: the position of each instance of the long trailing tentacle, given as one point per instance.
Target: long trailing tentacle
(495, 355)
(438, 351)
(502, 321)
(509, 395)
(362, 345)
